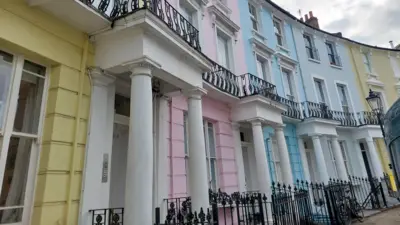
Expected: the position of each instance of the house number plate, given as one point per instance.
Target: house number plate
(104, 176)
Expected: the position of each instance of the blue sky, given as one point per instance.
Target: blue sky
(374, 22)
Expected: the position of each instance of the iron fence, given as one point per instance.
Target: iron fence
(112, 216)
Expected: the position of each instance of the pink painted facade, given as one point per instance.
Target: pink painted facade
(217, 113)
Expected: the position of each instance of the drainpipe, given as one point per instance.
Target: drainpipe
(76, 131)
(301, 75)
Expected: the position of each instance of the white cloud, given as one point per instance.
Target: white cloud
(369, 21)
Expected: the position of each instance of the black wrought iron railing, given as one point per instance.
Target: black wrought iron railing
(114, 10)
(367, 118)
(111, 216)
(293, 109)
(223, 79)
(253, 85)
(316, 110)
(346, 119)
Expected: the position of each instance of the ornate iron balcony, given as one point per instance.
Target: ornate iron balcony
(293, 110)
(346, 119)
(111, 216)
(317, 110)
(253, 85)
(367, 118)
(160, 8)
(222, 79)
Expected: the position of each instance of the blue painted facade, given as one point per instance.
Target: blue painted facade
(266, 30)
(323, 69)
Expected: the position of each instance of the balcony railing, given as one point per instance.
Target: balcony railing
(346, 119)
(317, 110)
(111, 216)
(293, 110)
(253, 85)
(160, 8)
(367, 118)
(223, 79)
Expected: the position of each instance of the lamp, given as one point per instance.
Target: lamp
(375, 102)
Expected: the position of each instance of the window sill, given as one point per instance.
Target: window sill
(259, 36)
(314, 60)
(336, 66)
(372, 75)
(283, 49)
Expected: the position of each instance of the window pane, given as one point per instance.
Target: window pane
(211, 140)
(29, 100)
(122, 105)
(5, 77)
(16, 172)
(213, 167)
(11, 215)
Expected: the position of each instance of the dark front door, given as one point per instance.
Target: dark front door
(366, 161)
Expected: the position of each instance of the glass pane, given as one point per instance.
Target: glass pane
(34, 68)
(222, 52)
(16, 172)
(11, 215)
(213, 163)
(211, 140)
(122, 105)
(29, 101)
(5, 77)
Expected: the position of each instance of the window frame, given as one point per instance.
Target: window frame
(291, 83)
(197, 14)
(324, 88)
(281, 27)
(336, 61)
(275, 158)
(255, 18)
(343, 91)
(207, 149)
(219, 32)
(346, 159)
(332, 157)
(265, 63)
(310, 50)
(36, 137)
(367, 65)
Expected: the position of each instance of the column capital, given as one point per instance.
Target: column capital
(100, 77)
(315, 137)
(279, 127)
(334, 138)
(195, 93)
(142, 66)
(235, 125)
(256, 122)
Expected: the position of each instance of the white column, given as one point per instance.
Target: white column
(337, 153)
(99, 144)
(161, 186)
(375, 159)
(284, 156)
(198, 179)
(239, 157)
(304, 162)
(139, 171)
(264, 179)
(319, 156)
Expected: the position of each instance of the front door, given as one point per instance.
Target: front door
(250, 169)
(366, 160)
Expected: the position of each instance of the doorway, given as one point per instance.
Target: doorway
(250, 167)
(366, 160)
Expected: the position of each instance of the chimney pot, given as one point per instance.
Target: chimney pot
(391, 44)
(306, 17)
(301, 19)
(311, 14)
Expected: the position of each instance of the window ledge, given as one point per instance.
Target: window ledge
(372, 74)
(259, 36)
(336, 66)
(283, 49)
(221, 7)
(314, 60)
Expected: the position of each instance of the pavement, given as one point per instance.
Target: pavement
(388, 217)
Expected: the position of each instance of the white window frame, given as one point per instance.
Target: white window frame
(229, 38)
(292, 86)
(8, 132)
(312, 43)
(266, 63)
(282, 34)
(255, 18)
(335, 53)
(342, 91)
(328, 101)
(276, 162)
(367, 62)
(346, 159)
(207, 148)
(349, 95)
(333, 159)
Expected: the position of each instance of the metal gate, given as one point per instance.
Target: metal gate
(338, 197)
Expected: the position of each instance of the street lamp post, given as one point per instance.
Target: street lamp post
(375, 102)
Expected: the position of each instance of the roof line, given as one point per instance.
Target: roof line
(325, 32)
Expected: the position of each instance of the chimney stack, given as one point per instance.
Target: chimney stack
(391, 44)
(312, 21)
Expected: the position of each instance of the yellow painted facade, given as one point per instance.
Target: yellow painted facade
(45, 39)
(382, 68)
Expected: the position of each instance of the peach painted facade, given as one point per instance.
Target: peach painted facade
(217, 113)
